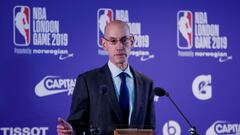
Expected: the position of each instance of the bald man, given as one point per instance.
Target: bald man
(113, 96)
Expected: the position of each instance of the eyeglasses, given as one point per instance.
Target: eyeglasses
(126, 40)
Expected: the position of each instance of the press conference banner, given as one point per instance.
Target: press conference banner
(189, 48)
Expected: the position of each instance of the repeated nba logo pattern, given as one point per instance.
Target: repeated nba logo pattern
(105, 15)
(21, 25)
(185, 30)
(196, 37)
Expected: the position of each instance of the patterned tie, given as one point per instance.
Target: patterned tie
(124, 98)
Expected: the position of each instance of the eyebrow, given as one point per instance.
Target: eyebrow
(116, 38)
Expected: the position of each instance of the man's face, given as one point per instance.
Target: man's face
(117, 43)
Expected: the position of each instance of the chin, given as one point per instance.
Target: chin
(121, 61)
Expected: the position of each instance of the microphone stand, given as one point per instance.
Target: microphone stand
(192, 130)
(94, 130)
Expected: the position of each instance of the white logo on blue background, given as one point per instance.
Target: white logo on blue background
(142, 42)
(171, 128)
(24, 130)
(223, 128)
(51, 85)
(201, 87)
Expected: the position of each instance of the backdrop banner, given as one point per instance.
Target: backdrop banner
(189, 48)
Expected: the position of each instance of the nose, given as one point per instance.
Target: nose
(119, 45)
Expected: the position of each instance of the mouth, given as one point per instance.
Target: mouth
(121, 54)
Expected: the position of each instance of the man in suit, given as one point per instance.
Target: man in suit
(113, 96)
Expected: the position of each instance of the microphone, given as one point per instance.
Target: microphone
(103, 89)
(161, 92)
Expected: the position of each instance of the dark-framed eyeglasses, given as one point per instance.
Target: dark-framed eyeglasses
(126, 40)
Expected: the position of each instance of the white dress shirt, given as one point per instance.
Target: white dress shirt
(115, 71)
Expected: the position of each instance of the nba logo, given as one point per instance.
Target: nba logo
(21, 25)
(184, 29)
(104, 16)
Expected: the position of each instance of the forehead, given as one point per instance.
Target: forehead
(117, 30)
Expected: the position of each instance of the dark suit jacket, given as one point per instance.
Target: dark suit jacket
(95, 104)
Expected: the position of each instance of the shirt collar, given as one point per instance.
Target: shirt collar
(116, 70)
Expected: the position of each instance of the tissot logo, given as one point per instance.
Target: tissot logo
(51, 85)
(24, 130)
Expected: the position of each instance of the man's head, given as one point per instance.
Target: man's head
(117, 42)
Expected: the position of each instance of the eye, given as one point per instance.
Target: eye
(113, 41)
(124, 40)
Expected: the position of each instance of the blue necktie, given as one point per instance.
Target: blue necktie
(124, 98)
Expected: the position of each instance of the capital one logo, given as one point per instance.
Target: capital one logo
(171, 128)
(221, 127)
(104, 16)
(201, 87)
(51, 85)
(21, 25)
(184, 29)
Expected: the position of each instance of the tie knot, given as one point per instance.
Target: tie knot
(122, 75)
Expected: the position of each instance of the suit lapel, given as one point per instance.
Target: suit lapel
(111, 94)
(138, 93)
(106, 79)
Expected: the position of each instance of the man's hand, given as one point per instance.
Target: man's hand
(63, 127)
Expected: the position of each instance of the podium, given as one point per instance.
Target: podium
(133, 132)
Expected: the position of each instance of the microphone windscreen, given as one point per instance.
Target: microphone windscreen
(103, 89)
(159, 91)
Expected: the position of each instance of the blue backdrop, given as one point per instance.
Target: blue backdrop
(190, 48)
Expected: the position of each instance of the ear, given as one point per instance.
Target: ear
(104, 44)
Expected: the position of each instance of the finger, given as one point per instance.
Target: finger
(65, 131)
(63, 127)
(59, 126)
(63, 134)
(63, 122)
